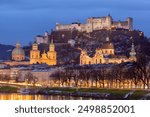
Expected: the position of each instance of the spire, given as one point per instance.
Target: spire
(52, 42)
(133, 47)
(132, 53)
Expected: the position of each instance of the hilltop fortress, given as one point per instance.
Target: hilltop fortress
(64, 32)
(97, 23)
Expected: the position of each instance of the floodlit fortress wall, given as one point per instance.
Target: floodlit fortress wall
(97, 23)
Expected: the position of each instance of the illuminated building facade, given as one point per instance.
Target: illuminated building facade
(97, 23)
(105, 55)
(46, 58)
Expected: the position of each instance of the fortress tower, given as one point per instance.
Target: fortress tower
(109, 21)
(130, 23)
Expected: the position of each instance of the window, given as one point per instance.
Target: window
(110, 51)
(100, 60)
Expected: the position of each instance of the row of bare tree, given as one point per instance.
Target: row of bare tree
(126, 75)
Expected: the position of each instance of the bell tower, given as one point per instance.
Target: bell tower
(52, 54)
(52, 46)
(34, 54)
(35, 46)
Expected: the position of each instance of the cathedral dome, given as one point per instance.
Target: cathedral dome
(18, 53)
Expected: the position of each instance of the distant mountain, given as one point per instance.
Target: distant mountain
(5, 52)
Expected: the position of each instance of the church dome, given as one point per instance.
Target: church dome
(108, 44)
(18, 53)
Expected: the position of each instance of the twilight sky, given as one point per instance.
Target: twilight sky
(22, 20)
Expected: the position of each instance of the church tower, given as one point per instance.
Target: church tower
(52, 54)
(108, 47)
(133, 53)
(34, 54)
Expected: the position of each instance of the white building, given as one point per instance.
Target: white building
(42, 39)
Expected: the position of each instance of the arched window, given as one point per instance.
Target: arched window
(100, 60)
(89, 62)
(110, 51)
(96, 61)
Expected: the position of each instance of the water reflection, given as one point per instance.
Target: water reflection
(15, 96)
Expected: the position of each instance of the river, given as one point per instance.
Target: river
(16, 96)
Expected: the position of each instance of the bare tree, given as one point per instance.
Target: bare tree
(31, 79)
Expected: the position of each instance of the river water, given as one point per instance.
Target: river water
(16, 96)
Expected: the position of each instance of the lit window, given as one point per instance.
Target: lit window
(110, 51)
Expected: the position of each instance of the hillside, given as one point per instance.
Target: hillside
(89, 41)
(121, 38)
(5, 51)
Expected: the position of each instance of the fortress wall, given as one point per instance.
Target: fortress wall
(96, 24)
